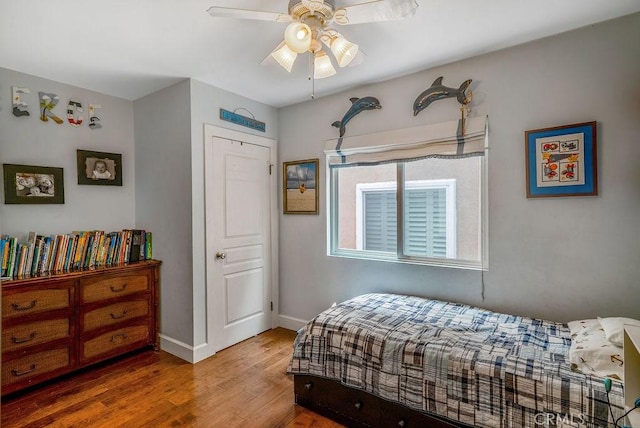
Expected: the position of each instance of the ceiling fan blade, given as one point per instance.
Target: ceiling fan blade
(228, 12)
(375, 11)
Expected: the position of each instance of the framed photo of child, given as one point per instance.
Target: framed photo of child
(99, 168)
(29, 184)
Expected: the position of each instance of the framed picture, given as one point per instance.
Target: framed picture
(28, 184)
(562, 161)
(99, 168)
(300, 187)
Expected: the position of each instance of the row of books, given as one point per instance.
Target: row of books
(45, 255)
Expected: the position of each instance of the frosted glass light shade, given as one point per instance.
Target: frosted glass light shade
(343, 50)
(322, 66)
(284, 56)
(298, 37)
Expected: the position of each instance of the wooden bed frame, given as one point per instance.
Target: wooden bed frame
(356, 408)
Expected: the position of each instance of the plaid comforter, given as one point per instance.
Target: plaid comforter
(464, 363)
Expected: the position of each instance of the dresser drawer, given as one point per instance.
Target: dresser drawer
(116, 341)
(101, 288)
(23, 335)
(30, 366)
(115, 313)
(34, 301)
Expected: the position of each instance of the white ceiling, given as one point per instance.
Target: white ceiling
(130, 48)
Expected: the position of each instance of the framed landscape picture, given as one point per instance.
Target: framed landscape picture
(300, 187)
(562, 161)
(29, 184)
(99, 168)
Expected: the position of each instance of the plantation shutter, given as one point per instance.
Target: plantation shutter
(380, 220)
(425, 223)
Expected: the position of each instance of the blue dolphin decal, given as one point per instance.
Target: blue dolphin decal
(357, 105)
(438, 92)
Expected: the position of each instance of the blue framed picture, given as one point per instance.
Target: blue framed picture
(562, 161)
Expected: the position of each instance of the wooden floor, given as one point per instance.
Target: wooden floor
(242, 386)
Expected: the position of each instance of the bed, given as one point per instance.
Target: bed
(394, 360)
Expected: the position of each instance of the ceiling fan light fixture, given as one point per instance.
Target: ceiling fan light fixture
(298, 37)
(285, 56)
(343, 50)
(322, 66)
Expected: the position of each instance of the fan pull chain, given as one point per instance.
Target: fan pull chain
(312, 77)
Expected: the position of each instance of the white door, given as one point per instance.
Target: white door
(238, 258)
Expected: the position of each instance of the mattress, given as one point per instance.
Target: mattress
(460, 362)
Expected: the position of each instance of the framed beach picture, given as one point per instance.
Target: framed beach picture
(99, 168)
(300, 187)
(29, 184)
(562, 161)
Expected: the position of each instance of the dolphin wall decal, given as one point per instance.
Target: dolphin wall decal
(357, 105)
(438, 92)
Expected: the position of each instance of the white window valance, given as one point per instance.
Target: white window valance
(440, 140)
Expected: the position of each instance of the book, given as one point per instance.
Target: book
(22, 260)
(34, 261)
(31, 246)
(55, 242)
(71, 251)
(136, 245)
(148, 246)
(143, 240)
(112, 248)
(13, 256)
(4, 250)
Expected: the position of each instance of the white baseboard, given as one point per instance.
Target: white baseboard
(182, 350)
(193, 354)
(291, 323)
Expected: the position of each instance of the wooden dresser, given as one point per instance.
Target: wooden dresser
(57, 324)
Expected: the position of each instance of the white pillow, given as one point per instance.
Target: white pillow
(614, 328)
(591, 352)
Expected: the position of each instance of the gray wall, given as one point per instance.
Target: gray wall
(169, 135)
(163, 200)
(29, 141)
(555, 258)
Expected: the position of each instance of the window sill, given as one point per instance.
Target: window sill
(384, 257)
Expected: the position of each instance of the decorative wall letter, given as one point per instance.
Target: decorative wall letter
(93, 119)
(19, 106)
(47, 103)
(71, 108)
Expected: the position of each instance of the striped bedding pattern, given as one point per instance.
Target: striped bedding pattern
(464, 363)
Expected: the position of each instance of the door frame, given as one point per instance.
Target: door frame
(211, 131)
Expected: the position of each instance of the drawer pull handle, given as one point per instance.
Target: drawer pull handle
(358, 405)
(402, 423)
(26, 339)
(118, 290)
(115, 336)
(17, 373)
(308, 386)
(17, 307)
(117, 317)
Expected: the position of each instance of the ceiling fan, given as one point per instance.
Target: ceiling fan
(310, 28)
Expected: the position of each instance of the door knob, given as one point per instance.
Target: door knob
(221, 256)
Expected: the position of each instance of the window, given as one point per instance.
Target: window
(421, 209)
